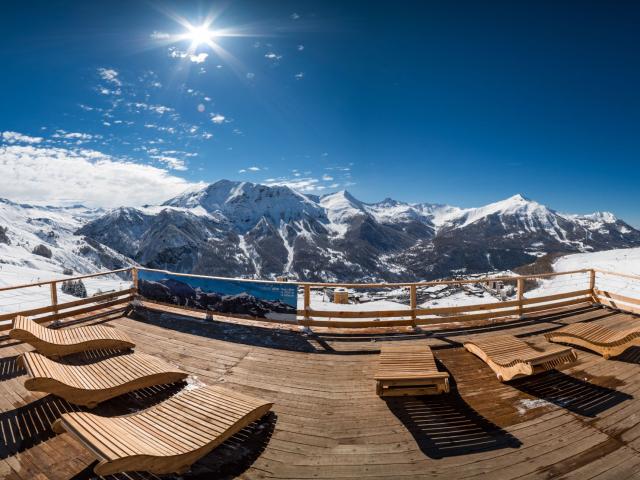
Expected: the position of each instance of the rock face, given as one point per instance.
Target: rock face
(250, 230)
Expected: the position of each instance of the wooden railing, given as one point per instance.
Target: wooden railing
(588, 286)
(417, 316)
(54, 310)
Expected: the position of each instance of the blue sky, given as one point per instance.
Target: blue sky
(450, 102)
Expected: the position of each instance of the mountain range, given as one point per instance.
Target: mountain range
(251, 230)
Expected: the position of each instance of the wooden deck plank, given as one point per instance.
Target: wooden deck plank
(330, 423)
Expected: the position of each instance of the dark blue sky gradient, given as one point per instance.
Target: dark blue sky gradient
(450, 102)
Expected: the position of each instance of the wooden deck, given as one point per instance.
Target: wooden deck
(328, 422)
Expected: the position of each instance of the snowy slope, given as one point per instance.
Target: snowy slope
(28, 227)
(626, 260)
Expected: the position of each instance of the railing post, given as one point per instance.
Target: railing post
(520, 294)
(307, 301)
(134, 278)
(592, 285)
(54, 298)
(413, 301)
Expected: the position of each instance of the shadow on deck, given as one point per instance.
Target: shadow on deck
(446, 426)
(577, 396)
(252, 335)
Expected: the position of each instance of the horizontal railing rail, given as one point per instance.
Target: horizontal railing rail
(584, 286)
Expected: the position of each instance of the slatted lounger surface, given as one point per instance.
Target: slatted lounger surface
(606, 341)
(91, 384)
(510, 357)
(409, 370)
(169, 436)
(59, 342)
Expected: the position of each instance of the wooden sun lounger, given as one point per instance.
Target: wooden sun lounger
(511, 358)
(603, 340)
(60, 342)
(409, 370)
(91, 384)
(167, 437)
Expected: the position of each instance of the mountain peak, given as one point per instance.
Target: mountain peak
(518, 197)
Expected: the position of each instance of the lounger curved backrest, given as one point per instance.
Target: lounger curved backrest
(510, 357)
(65, 341)
(409, 370)
(606, 341)
(168, 437)
(89, 385)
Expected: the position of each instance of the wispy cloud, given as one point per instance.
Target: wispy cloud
(302, 184)
(159, 109)
(15, 137)
(299, 75)
(172, 163)
(110, 75)
(249, 169)
(63, 176)
(156, 35)
(300, 48)
(272, 56)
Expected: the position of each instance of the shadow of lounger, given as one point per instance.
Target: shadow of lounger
(575, 395)
(447, 426)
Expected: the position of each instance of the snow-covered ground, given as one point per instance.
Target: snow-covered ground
(625, 260)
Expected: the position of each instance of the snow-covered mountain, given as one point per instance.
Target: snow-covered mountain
(40, 242)
(247, 229)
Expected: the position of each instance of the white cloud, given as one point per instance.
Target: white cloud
(299, 75)
(110, 75)
(172, 163)
(156, 35)
(272, 56)
(300, 48)
(327, 178)
(175, 53)
(68, 176)
(217, 118)
(199, 58)
(15, 137)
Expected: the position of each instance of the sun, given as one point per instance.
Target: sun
(200, 35)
